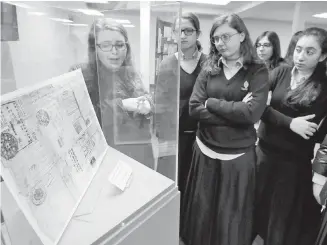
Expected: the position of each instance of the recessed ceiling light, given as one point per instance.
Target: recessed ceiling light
(122, 21)
(90, 12)
(128, 25)
(322, 15)
(75, 24)
(95, 1)
(61, 20)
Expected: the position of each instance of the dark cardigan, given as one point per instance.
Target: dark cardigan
(226, 123)
(274, 131)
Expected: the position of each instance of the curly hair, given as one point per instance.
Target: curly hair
(246, 49)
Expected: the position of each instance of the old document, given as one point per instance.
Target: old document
(51, 147)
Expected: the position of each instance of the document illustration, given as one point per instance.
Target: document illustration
(51, 147)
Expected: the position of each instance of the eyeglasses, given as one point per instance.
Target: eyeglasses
(224, 37)
(187, 31)
(264, 45)
(107, 46)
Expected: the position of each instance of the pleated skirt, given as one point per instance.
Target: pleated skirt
(286, 212)
(322, 236)
(218, 200)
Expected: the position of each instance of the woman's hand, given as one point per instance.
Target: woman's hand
(303, 127)
(130, 104)
(144, 106)
(247, 98)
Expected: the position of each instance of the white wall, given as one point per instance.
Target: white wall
(43, 49)
(47, 48)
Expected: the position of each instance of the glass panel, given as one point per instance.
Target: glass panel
(43, 40)
(126, 72)
(165, 87)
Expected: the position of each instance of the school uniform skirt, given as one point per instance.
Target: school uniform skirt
(286, 211)
(322, 236)
(218, 200)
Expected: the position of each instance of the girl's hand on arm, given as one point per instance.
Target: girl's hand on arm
(303, 127)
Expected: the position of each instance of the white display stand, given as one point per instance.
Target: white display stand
(147, 212)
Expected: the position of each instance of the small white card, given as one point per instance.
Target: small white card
(121, 175)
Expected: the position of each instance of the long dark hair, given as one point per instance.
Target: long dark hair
(194, 19)
(273, 38)
(127, 71)
(246, 49)
(307, 92)
(290, 49)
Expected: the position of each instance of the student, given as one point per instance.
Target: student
(286, 212)
(268, 49)
(229, 96)
(290, 49)
(166, 95)
(122, 105)
(320, 188)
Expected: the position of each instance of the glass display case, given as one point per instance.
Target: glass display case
(118, 47)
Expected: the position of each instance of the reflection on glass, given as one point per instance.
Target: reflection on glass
(122, 104)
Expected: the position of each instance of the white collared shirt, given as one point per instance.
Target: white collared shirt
(294, 82)
(230, 71)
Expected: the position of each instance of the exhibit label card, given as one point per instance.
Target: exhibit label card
(121, 175)
(51, 147)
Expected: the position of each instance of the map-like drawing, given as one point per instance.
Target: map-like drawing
(51, 147)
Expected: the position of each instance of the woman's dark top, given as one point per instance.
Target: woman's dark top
(226, 123)
(274, 131)
(107, 90)
(166, 97)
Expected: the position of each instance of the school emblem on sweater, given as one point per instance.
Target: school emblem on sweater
(245, 86)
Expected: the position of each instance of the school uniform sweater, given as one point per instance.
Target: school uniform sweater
(226, 124)
(166, 97)
(274, 131)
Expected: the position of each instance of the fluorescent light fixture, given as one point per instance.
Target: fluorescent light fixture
(22, 5)
(90, 12)
(61, 20)
(96, 1)
(215, 2)
(322, 15)
(75, 24)
(127, 25)
(122, 21)
(36, 13)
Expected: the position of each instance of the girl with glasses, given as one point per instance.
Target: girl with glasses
(228, 98)
(167, 93)
(268, 49)
(121, 102)
(286, 212)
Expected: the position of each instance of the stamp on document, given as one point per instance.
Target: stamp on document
(43, 117)
(38, 196)
(9, 146)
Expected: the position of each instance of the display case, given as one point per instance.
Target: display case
(104, 54)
